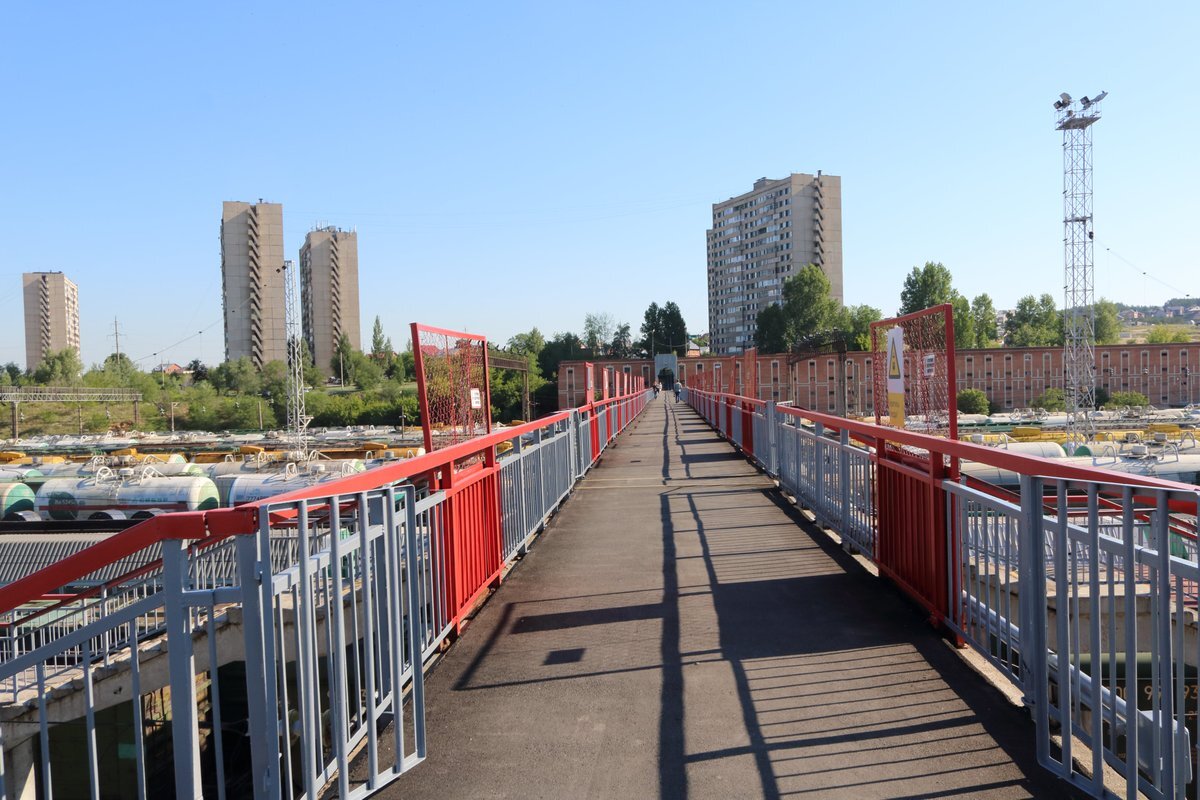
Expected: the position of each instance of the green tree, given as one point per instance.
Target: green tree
(983, 314)
(1167, 334)
(238, 376)
(926, 286)
(379, 343)
(200, 411)
(972, 401)
(14, 372)
(119, 364)
(60, 368)
(1035, 323)
(663, 330)
(806, 309)
(771, 330)
(406, 366)
(622, 342)
(1051, 400)
(807, 306)
(563, 347)
(674, 329)
(1102, 396)
(363, 371)
(1123, 399)
(308, 366)
(964, 322)
(1107, 323)
(198, 370)
(273, 385)
(651, 330)
(529, 345)
(339, 362)
(597, 332)
(856, 322)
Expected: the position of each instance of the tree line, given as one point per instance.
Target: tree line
(806, 309)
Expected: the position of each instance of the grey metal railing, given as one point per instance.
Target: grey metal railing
(1083, 594)
(282, 655)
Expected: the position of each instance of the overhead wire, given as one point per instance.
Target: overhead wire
(189, 337)
(1142, 272)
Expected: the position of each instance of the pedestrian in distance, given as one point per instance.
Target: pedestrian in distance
(677, 388)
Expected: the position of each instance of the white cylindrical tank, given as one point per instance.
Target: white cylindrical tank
(1040, 449)
(1184, 469)
(234, 490)
(254, 466)
(15, 473)
(79, 498)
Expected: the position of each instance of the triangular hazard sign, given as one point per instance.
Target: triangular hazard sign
(893, 362)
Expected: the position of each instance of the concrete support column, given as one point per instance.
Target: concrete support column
(20, 780)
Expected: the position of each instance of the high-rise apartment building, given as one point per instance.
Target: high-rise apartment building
(252, 281)
(51, 315)
(762, 237)
(329, 293)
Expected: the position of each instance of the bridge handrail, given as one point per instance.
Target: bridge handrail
(244, 519)
(1018, 462)
(1037, 581)
(408, 551)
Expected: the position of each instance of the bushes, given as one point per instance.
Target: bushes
(972, 401)
(1122, 399)
(1051, 400)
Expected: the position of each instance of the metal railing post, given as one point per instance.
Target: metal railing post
(845, 518)
(185, 733)
(817, 501)
(261, 718)
(772, 417)
(1031, 576)
(518, 455)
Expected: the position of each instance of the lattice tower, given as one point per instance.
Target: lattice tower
(297, 420)
(1075, 120)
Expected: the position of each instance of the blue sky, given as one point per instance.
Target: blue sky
(517, 164)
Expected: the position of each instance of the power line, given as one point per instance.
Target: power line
(1142, 272)
(201, 332)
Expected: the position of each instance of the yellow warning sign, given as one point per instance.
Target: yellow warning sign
(895, 378)
(893, 360)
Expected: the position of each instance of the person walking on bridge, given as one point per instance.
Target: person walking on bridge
(678, 386)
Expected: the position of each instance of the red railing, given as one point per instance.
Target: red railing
(913, 547)
(471, 516)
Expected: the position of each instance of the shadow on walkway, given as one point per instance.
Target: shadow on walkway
(682, 632)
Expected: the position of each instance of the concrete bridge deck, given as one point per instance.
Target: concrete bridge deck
(680, 631)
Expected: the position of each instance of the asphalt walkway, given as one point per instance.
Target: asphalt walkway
(680, 631)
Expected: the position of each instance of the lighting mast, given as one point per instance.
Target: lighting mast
(1075, 120)
(297, 421)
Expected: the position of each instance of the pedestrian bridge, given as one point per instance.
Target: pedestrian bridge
(716, 597)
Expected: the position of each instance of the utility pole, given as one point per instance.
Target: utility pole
(117, 341)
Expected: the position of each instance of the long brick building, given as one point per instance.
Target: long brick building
(1010, 377)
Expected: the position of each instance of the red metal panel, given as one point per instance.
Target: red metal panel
(911, 547)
